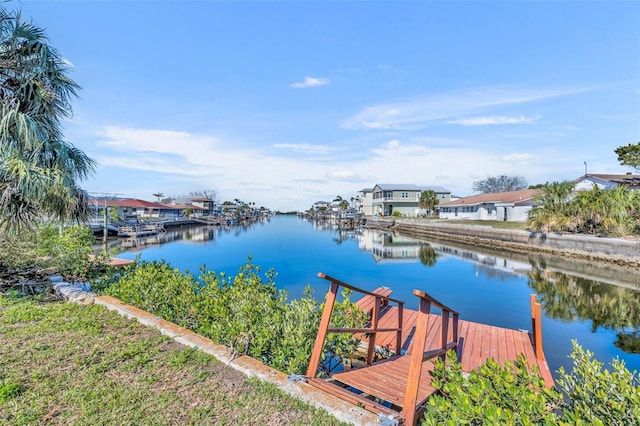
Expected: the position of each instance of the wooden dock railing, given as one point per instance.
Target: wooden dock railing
(536, 327)
(379, 301)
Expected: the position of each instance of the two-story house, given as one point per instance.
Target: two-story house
(403, 198)
(364, 202)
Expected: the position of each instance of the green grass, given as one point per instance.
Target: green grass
(63, 363)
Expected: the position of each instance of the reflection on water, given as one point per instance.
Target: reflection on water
(612, 304)
(196, 234)
(599, 304)
(387, 247)
(571, 298)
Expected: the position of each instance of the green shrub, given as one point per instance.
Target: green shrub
(599, 396)
(69, 252)
(511, 394)
(493, 394)
(245, 312)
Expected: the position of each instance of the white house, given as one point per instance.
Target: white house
(606, 181)
(512, 206)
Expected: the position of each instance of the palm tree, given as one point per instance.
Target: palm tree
(343, 204)
(552, 210)
(158, 195)
(428, 200)
(39, 171)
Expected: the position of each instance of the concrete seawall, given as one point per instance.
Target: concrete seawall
(611, 250)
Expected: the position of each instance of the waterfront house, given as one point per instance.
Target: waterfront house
(204, 206)
(607, 181)
(134, 208)
(364, 202)
(511, 206)
(403, 198)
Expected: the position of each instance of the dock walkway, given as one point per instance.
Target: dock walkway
(396, 380)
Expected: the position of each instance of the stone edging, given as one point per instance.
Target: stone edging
(338, 408)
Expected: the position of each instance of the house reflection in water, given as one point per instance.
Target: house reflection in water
(387, 247)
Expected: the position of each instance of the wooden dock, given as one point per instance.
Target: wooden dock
(141, 230)
(396, 381)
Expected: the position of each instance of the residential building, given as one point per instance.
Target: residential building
(607, 181)
(364, 202)
(511, 206)
(134, 208)
(403, 198)
(203, 206)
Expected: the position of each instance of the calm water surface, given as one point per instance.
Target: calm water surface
(597, 305)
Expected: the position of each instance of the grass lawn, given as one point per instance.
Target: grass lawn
(63, 363)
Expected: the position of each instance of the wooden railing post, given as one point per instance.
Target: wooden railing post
(415, 366)
(374, 325)
(316, 354)
(445, 331)
(536, 326)
(399, 332)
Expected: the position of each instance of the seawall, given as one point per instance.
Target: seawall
(610, 250)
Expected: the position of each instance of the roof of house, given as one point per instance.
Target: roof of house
(363, 190)
(411, 187)
(201, 199)
(498, 197)
(132, 202)
(626, 179)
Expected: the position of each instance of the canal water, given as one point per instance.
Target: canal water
(595, 304)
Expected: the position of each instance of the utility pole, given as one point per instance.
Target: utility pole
(585, 168)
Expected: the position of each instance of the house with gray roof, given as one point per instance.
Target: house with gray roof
(403, 198)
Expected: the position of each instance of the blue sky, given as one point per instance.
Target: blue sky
(287, 103)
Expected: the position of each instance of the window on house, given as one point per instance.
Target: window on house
(405, 195)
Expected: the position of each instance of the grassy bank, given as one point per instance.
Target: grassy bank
(64, 363)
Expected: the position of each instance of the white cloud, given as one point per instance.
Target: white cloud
(491, 120)
(521, 157)
(311, 82)
(342, 175)
(446, 107)
(306, 148)
(139, 162)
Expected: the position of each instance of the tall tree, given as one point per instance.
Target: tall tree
(343, 204)
(502, 183)
(158, 195)
(39, 171)
(428, 200)
(629, 155)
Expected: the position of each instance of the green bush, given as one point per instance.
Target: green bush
(512, 394)
(245, 312)
(493, 394)
(69, 252)
(599, 396)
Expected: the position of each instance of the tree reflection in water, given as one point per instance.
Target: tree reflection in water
(568, 298)
(428, 255)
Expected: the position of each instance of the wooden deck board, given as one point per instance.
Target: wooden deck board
(376, 380)
(480, 341)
